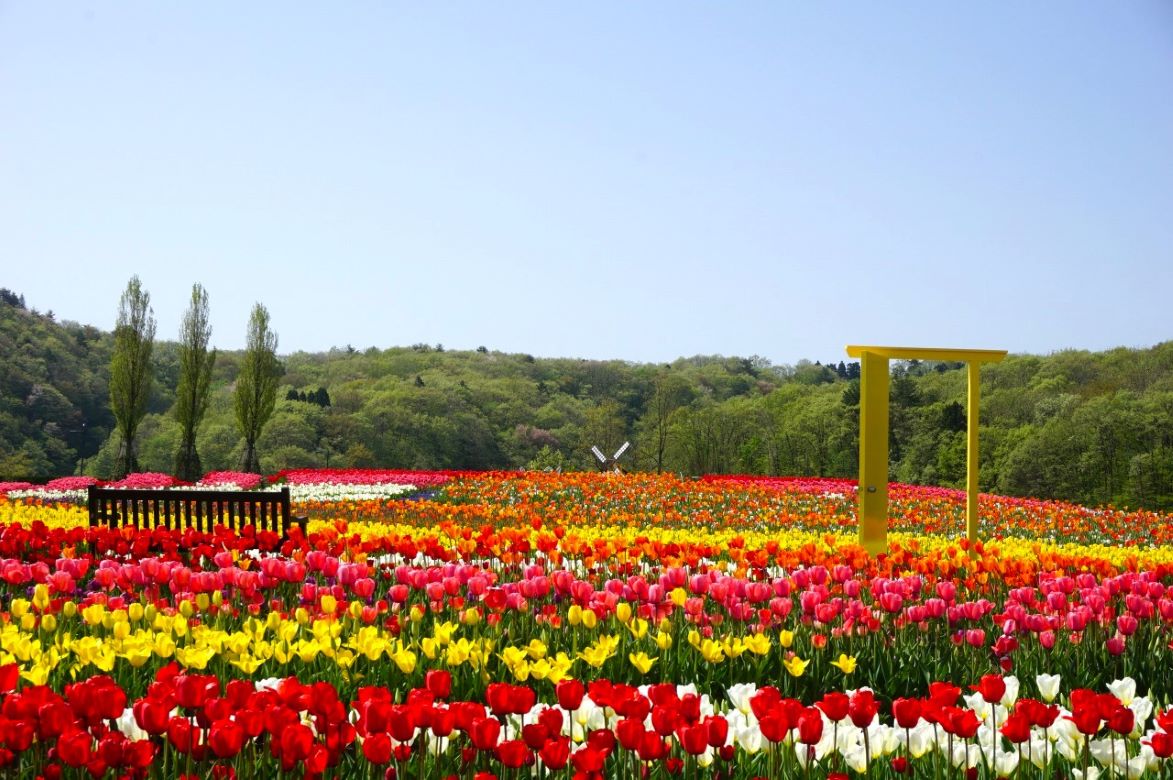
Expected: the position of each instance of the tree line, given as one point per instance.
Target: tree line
(1090, 427)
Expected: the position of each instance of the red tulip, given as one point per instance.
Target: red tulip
(810, 727)
(1086, 719)
(588, 760)
(653, 747)
(443, 721)
(225, 737)
(718, 729)
(992, 688)
(602, 740)
(1016, 728)
(555, 753)
(664, 720)
(552, 719)
(630, 733)
(862, 708)
(179, 734)
(9, 677)
(570, 694)
(192, 690)
(513, 753)
(439, 682)
(151, 716)
(317, 760)
(139, 754)
(694, 739)
(75, 747)
(960, 722)
(53, 718)
(1122, 721)
(834, 705)
(402, 723)
(296, 742)
(484, 733)
(1162, 744)
(906, 712)
(944, 694)
(377, 749)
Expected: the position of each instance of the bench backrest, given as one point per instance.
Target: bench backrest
(199, 509)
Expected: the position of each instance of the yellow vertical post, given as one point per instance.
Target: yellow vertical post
(973, 401)
(873, 453)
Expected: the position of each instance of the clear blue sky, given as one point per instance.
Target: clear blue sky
(606, 180)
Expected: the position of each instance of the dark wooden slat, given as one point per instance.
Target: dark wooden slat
(201, 510)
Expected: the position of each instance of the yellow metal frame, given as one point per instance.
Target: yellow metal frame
(873, 433)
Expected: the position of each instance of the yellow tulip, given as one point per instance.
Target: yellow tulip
(663, 640)
(41, 596)
(785, 638)
(589, 618)
(795, 665)
(846, 663)
(758, 644)
(641, 661)
(623, 611)
(404, 659)
(93, 614)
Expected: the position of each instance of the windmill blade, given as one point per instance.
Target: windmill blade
(599, 454)
(622, 449)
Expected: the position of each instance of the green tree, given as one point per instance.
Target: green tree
(130, 369)
(195, 380)
(256, 386)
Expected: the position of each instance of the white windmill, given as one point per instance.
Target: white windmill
(612, 463)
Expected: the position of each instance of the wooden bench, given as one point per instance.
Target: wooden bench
(203, 510)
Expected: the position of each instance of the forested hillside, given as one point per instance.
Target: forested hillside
(1090, 427)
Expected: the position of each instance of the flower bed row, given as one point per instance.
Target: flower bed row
(198, 725)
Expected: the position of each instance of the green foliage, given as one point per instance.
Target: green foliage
(256, 386)
(194, 384)
(1094, 428)
(130, 369)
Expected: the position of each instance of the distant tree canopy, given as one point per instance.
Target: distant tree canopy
(131, 372)
(195, 383)
(256, 385)
(1090, 427)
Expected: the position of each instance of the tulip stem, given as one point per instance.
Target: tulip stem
(993, 737)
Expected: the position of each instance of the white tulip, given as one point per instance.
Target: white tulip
(1124, 690)
(1048, 686)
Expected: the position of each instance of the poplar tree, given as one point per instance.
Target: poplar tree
(195, 382)
(130, 370)
(256, 386)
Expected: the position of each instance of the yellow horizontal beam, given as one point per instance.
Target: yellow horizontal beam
(929, 353)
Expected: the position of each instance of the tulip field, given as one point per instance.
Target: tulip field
(543, 625)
